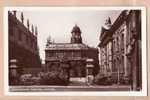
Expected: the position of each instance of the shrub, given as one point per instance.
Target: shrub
(44, 78)
(54, 78)
(101, 79)
(25, 79)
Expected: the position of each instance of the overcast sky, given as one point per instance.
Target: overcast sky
(58, 24)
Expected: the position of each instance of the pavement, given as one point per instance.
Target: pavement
(76, 84)
(68, 88)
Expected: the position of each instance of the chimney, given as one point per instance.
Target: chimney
(32, 28)
(22, 17)
(36, 31)
(28, 25)
(15, 12)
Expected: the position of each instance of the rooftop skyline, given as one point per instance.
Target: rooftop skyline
(58, 24)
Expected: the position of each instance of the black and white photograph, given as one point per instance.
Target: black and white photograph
(80, 50)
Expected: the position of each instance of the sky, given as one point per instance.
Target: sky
(59, 23)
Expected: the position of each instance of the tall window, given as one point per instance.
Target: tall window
(114, 69)
(122, 64)
(113, 46)
(129, 26)
(117, 44)
(122, 45)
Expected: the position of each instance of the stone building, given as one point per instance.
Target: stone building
(134, 48)
(23, 46)
(120, 49)
(106, 49)
(72, 55)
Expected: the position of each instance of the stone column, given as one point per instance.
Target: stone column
(13, 72)
(89, 75)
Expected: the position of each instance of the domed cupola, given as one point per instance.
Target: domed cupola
(76, 35)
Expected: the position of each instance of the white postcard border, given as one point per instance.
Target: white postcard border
(68, 93)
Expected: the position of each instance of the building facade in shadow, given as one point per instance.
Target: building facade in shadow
(23, 47)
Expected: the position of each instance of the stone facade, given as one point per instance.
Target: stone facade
(106, 50)
(71, 55)
(120, 49)
(23, 45)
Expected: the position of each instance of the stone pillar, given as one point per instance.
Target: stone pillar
(13, 72)
(134, 65)
(89, 71)
(136, 52)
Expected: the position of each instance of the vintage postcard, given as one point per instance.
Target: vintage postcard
(75, 51)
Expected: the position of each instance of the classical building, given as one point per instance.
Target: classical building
(120, 49)
(105, 50)
(72, 55)
(23, 47)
